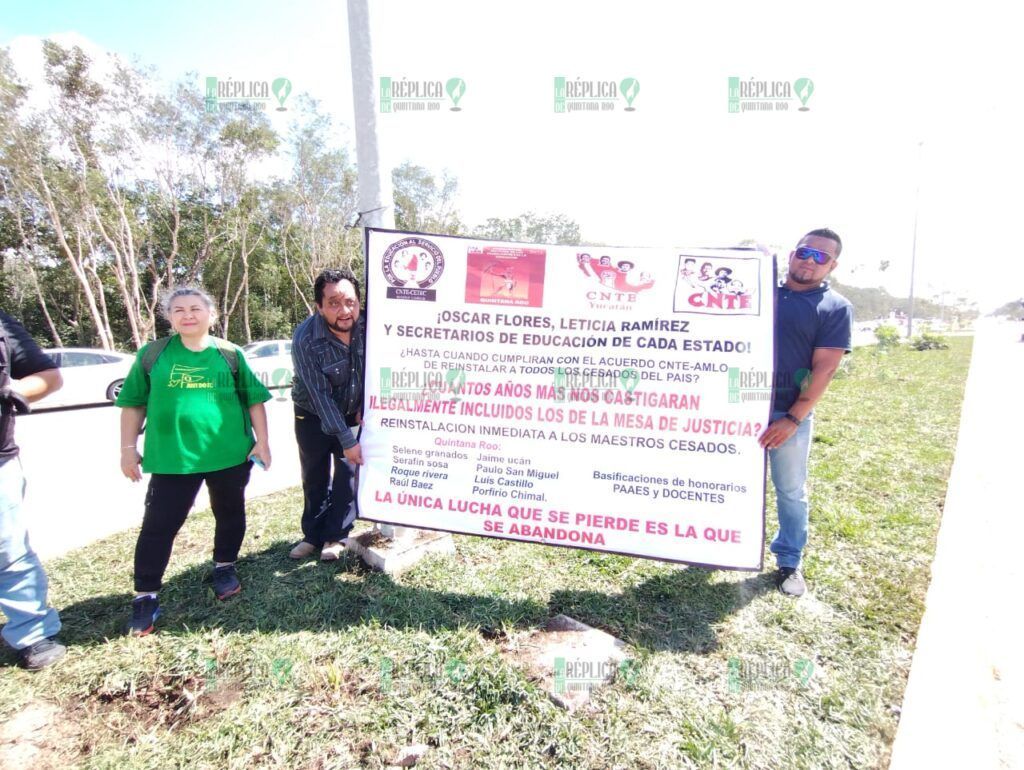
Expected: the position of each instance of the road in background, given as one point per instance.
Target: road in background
(76, 493)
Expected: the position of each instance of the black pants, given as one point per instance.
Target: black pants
(168, 500)
(328, 512)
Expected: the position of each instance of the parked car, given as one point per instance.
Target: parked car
(90, 376)
(271, 361)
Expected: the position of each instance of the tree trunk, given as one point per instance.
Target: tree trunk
(91, 267)
(42, 306)
(74, 260)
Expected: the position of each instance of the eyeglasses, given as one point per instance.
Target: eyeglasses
(819, 257)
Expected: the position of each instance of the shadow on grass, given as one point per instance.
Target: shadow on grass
(673, 611)
(676, 611)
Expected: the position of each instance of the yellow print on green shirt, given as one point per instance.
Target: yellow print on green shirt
(188, 377)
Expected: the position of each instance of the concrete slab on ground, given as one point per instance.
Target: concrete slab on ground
(395, 556)
(571, 658)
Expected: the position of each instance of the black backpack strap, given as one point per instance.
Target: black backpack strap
(230, 355)
(153, 351)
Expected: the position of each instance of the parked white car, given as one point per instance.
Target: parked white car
(91, 376)
(271, 361)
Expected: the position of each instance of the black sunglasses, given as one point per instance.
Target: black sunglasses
(819, 257)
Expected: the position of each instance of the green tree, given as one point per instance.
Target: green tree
(1013, 309)
(313, 208)
(423, 202)
(531, 228)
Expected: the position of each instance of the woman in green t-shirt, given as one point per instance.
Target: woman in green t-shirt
(201, 403)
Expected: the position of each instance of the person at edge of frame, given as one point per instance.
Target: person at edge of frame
(26, 374)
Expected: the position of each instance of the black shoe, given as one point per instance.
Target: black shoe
(43, 653)
(225, 581)
(790, 581)
(145, 611)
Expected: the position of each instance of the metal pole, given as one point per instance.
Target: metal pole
(376, 201)
(913, 249)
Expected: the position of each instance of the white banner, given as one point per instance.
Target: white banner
(583, 396)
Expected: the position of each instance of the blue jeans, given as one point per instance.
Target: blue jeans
(789, 475)
(22, 579)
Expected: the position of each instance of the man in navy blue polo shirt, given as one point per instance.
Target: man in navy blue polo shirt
(813, 329)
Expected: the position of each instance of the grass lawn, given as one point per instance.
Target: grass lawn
(323, 666)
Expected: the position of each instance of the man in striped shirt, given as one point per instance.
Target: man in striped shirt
(328, 355)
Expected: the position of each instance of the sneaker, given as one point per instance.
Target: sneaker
(790, 581)
(225, 581)
(43, 653)
(302, 550)
(331, 551)
(145, 611)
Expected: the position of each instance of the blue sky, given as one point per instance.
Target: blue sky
(680, 170)
(175, 37)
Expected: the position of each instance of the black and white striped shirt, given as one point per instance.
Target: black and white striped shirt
(328, 376)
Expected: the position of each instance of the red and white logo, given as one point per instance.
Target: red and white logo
(717, 285)
(619, 282)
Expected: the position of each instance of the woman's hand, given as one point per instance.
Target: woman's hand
(262, 451)
(130, 461)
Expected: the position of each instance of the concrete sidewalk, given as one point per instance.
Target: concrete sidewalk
(75, 493)
(964, 704)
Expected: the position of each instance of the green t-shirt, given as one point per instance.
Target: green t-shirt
(195, 421)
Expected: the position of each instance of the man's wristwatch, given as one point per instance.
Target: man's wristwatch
(792, 419)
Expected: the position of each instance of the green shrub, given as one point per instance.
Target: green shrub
(928, 340)
(887, 335)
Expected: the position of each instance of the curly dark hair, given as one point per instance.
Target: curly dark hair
(333, 276)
